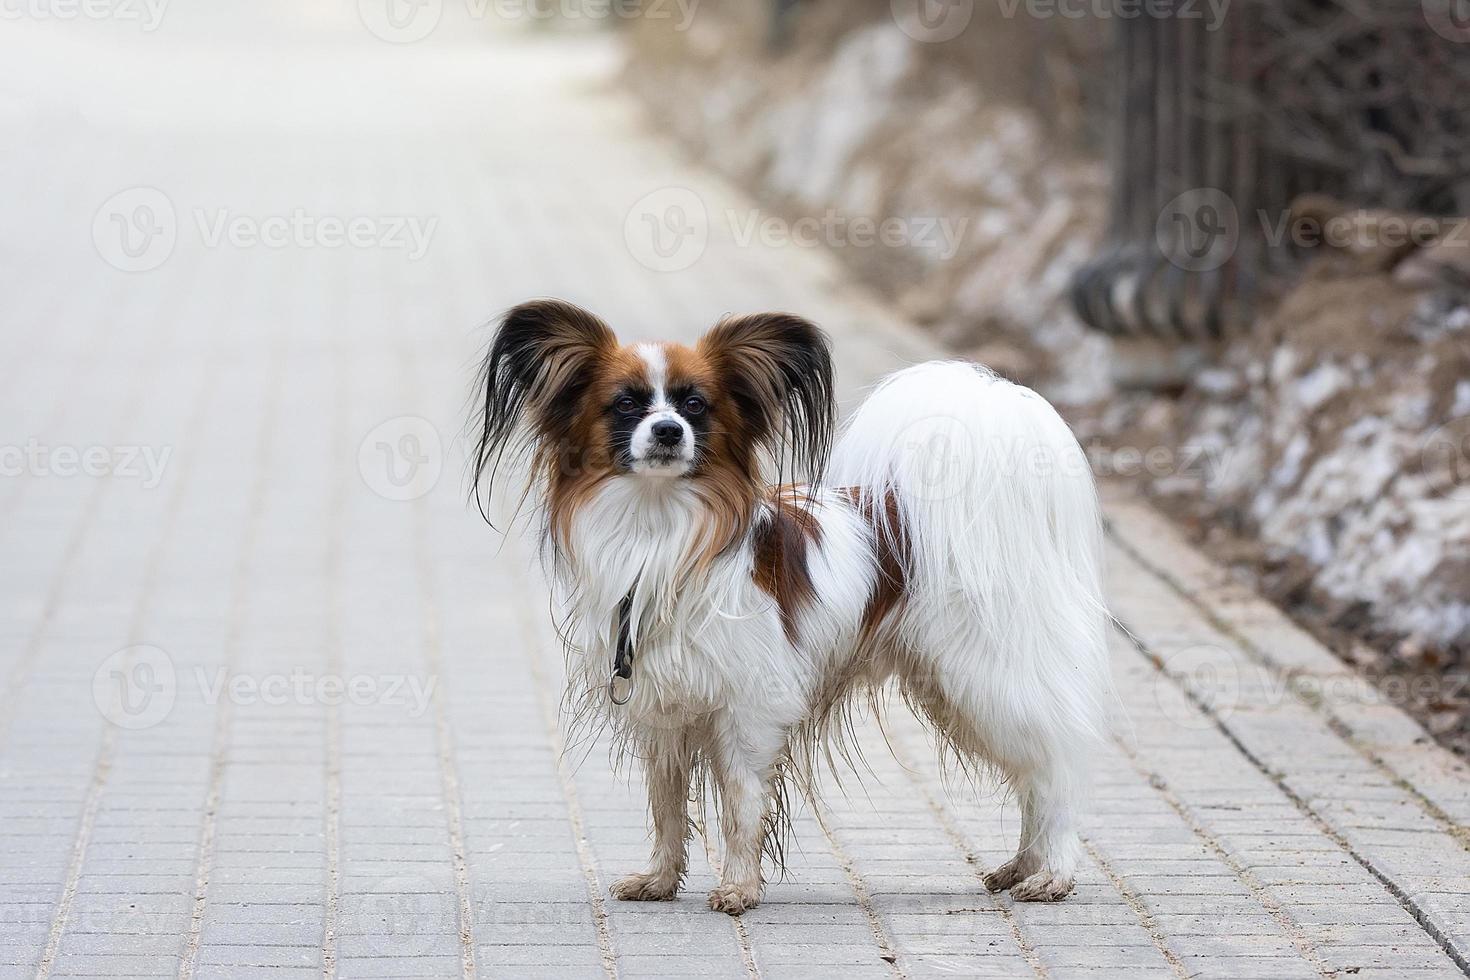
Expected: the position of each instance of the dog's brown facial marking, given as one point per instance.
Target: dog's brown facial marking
(776, 370)
(586, 409)
(781, 544)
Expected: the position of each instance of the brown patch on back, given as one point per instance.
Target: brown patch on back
(780, 543)
(891, 546)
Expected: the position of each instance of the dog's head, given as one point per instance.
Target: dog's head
(558, 385)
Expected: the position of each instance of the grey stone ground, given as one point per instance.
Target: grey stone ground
(179, 798)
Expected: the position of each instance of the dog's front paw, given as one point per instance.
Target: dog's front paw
(1043, 886)
(645, 888)
(734, 899)
(1008, 874)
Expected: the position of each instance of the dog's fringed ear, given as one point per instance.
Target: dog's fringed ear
(778, 369)
(527, 392)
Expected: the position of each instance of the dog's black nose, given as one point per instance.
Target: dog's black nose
(667, 433)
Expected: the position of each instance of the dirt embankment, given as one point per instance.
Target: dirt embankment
(1335, 443)
(977, 147)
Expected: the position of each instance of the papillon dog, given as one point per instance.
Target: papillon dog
(726, 627)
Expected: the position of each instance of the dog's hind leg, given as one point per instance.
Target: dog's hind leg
(1045, 865)
(1038, 745)
(666, 769)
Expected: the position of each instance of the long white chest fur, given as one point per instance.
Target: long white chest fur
(707, 636)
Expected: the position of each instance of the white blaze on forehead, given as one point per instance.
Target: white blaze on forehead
(658, 371)
(657, 362)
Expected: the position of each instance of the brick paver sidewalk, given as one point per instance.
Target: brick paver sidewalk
(276, 704)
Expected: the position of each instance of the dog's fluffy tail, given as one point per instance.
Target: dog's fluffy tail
(993, 504)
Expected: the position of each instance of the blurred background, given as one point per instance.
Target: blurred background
(1229, 232)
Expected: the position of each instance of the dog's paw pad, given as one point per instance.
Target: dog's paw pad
(1044, 886)
(644, 888)
(733, 899)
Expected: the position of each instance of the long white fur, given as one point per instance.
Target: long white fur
(1000, 632)
(1004, 605)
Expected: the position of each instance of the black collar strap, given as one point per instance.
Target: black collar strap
(620, 684)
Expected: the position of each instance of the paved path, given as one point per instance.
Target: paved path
(186, 789)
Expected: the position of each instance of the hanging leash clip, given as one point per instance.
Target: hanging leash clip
(620, 684)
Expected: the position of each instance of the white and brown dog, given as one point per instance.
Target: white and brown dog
(951, 542)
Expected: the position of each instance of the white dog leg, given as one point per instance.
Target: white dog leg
(743, 773)
(1050, 848)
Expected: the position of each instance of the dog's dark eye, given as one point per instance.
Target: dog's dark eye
(694, 405)
(627, 404)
